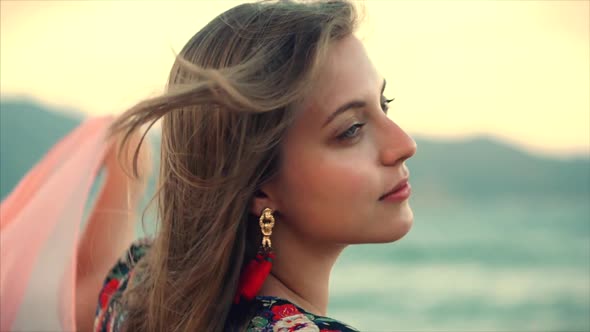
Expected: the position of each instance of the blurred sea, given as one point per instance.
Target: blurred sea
(500, 241)
(482, 265)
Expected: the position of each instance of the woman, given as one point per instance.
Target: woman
(276, 150)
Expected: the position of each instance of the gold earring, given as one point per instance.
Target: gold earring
(255, 272)
(267, 222)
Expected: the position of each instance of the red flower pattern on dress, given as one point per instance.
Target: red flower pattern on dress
(284, 310)
(108, 290)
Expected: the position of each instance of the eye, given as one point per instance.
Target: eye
(351, 132)
(385, 103)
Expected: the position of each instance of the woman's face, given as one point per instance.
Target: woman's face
(335, 169)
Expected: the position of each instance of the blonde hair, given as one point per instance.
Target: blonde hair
(230, 98)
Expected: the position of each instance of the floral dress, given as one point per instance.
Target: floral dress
(280, 315)
(272, 314)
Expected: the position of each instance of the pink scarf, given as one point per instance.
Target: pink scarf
(39, 223)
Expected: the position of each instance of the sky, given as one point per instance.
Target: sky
(516, 70)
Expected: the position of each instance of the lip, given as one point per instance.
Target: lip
(400, 191)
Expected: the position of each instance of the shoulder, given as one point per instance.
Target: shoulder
(276, 314)
(108, 314)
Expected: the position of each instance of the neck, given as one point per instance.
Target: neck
(301, 271)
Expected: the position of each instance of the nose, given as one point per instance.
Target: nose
(397, 146)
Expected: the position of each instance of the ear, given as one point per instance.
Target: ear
(265, 197)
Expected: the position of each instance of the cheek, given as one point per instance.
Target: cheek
(328, 197)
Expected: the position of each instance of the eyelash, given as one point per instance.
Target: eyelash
(351, 132)
(385, 104)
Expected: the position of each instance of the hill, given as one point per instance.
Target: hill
(478, 167)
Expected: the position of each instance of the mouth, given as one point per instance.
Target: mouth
(398, 187)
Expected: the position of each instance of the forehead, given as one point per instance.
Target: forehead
(347, 74)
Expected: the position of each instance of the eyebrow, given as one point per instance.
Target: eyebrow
(349, 106)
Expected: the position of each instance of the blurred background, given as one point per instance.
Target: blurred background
(496, 94)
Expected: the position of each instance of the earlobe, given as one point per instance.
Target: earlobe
(263, 198)
(260, 201)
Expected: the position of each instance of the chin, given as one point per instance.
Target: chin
(396, 227)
